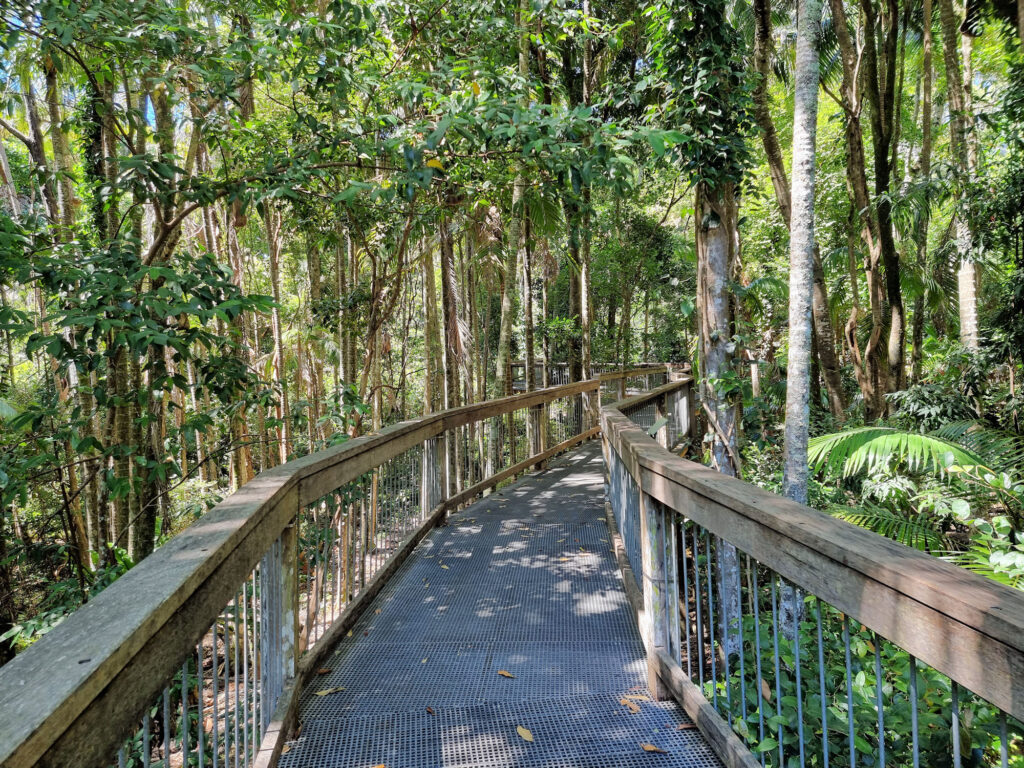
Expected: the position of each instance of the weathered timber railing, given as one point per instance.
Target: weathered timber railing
(196, 656)
(792, 638)
(558, 373)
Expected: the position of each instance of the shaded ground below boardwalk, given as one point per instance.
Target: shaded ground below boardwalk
(524, 582)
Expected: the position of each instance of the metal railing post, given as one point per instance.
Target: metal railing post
(431, 485)
(538, 438)
(660, 620)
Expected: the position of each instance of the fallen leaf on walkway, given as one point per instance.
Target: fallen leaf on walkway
(634, 708)
(327, 691)
(380, 765)
(563, 559)
(685, 726)
(426, 584)
(323, 671)
(286, 749)
(424, 660)
(766, 692)
(524, 732)
(445, 567)
(377, 611)
(638, 697)
(651, 748)
(349, 633)
(430, 711)
(505, 673)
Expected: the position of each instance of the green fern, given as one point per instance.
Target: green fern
(1001, 450)
(920, 531)
(863, 450)
(982, 559)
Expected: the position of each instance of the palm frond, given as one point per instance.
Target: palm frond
(1000, 449)
(857, 451)
(983, 560)
(922, 532)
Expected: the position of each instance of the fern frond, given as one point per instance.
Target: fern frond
(979, 558)
(858, 451)
(921, 532)
(1000, 449)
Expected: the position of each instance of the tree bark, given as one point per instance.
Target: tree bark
(822, 318)
(967, 282)
(801, 250)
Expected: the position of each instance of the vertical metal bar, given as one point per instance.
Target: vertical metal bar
(145, 740)
(1004, 752)
(686, 601)
(755, 589)
(257, 662)
(849, 691)
(799, 685)
(227, 687)
(743, 637)
(247, 709)
(237, 688)
(214, 678)
(121, 760)
(955, 725)
(167, 727)
(912, 693)
(698, 596)
(711, 617)
(821, 684)
(185, 725)
(778, 669)
(201, 707)
(878, 699)
(725, 605)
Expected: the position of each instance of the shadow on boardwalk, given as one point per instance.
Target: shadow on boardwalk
(523, 581)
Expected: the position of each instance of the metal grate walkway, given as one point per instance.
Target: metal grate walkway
(523, 581)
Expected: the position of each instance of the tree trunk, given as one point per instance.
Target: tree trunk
(716, 212)
(967, 281)
(824, 333)
(432, 387)
(273, 229)
(801, 250)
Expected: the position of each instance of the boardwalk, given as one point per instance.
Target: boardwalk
(523, 582)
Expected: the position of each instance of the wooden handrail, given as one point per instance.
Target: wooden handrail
(965, 626)
(72, 696)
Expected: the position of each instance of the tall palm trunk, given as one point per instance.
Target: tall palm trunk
(925, 161)
(801, 249)
(967, 276)
(824, 336)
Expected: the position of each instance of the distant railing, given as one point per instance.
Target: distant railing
(196, 656)
(559, 373)
(795, 639)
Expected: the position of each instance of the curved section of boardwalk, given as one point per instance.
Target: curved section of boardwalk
(523, 581)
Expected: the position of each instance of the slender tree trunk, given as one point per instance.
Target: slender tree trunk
(925, 172)
(801, 249)
(431, 383)
(825, 335)
(967, 280)
(273, 229)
